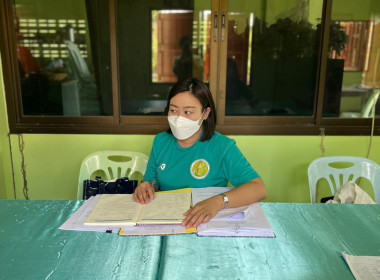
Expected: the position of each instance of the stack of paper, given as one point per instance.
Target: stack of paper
(248, 221)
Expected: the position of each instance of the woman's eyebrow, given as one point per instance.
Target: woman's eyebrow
(186, 107)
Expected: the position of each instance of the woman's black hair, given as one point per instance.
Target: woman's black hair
(200, 91)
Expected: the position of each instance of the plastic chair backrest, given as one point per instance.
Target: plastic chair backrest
(368, 108)
(114, 165)
(360, 168)
(78, 63)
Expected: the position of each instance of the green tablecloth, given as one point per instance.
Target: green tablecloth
(309, 242)
(32, 246)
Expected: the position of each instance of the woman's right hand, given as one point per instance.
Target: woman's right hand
(144, 193)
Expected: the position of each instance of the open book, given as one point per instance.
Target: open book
(121, 210)
(247, 221)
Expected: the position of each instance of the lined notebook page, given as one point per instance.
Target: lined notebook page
(114, 209)
(165, 208)
(121, 209)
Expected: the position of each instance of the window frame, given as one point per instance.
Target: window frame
(122, 124)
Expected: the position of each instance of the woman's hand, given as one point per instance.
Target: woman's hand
(203, 211)
(144, 192)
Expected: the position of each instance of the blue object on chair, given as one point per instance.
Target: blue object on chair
(360, 168)
(114, 165)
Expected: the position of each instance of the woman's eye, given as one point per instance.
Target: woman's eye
(173, 111)
(187, 113)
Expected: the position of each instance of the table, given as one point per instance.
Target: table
(309, 242)
(32, 246)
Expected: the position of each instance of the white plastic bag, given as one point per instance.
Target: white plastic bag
(351, 193)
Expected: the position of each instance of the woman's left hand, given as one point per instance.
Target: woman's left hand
(203, 212)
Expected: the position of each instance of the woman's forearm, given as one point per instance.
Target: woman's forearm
(246, 194)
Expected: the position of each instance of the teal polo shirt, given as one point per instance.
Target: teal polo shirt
(212, 163)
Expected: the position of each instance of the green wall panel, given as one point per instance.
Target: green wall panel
(5, 157)
(52, 162)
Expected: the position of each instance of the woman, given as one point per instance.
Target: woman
(192, 155)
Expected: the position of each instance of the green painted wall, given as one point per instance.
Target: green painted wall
(4, 150)
(53, 161)
(348, 9)
(352, 78)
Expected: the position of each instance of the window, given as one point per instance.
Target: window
(351, 75)
(273, 66)
(172, 47)
(272, 60)
(356, 49)
(57, 59)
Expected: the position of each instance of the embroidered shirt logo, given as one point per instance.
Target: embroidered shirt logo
(162, 166)
(200, 169)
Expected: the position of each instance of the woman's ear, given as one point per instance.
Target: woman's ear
(206, 113)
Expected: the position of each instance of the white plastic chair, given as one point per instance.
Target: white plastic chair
(367, 111)
(337, 177)
(114, 165)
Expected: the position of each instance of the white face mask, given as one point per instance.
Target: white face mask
(183, 128)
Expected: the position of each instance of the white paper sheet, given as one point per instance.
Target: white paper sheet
(237, 213)
(363, 267)
(247, 221)
(254, 225)
(76, 221)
